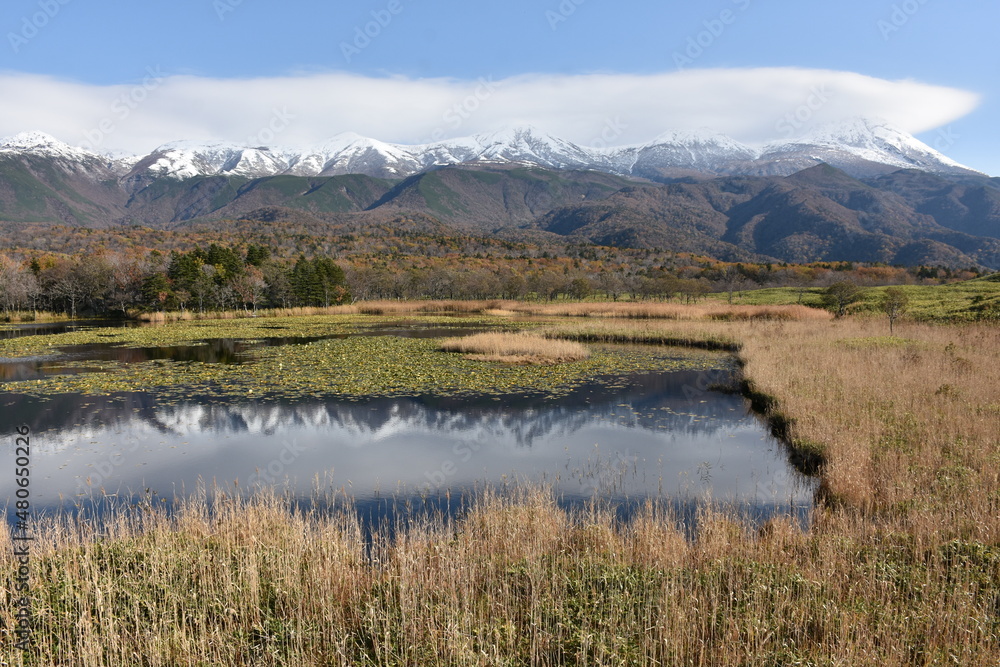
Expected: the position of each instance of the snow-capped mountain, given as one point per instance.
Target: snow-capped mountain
(861, 147)
(40, 143)
(680, 153)
(70, 158)
(350, 153)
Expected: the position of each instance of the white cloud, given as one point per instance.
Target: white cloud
(751, 105)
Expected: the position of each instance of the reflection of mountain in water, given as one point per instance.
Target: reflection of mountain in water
(671, 402)
(643, 436)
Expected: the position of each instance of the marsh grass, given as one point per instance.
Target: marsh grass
(516, 348)
(514, 580)
(676, 311)
(900, 564)
(506, 307)
(196, 316)
(11, 317)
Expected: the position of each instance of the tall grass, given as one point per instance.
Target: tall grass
(516, 580)
(17, 316)
(193, 315)
(518, 348)
(676, 311)
(668, 311)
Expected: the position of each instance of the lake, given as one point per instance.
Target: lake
(624, 440)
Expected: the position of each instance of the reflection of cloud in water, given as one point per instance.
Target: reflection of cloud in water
(645, 438)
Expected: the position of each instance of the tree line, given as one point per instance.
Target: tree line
(217, 277)
(203, 279)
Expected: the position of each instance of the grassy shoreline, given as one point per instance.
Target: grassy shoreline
(901, 564)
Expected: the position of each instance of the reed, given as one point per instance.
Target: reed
(620, 310)
(193, 315)
(515, 580)
(19, 316)
(675, 311)
(516, 348)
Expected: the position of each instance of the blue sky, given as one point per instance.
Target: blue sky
(130, 75)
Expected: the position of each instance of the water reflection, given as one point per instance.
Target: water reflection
(651, 437)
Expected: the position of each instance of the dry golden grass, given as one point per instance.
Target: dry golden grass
(192, 315)
(437, 306)
(516, 580)
(13, 316)
(516, 348)
(909, 425)
(507, 308)
(675, 311)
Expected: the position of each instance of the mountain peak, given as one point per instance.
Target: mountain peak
(41, 143)
(195, 145)
(702, 135)
(862, 145)
(29, 139)
(509, 133)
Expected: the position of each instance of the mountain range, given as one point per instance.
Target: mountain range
(860, 190)
(861, 147)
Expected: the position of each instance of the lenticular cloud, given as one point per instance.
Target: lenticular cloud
(751, 105)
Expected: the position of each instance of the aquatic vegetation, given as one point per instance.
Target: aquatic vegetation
(195, 332)
(362, 366)
(337, 365)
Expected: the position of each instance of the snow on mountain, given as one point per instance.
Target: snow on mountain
(350, 153)
(187, 159)
(703, 151)
(526, 144)
(70, 158)
(861, 147)
(39, 143)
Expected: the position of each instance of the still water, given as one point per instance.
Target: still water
(650, 436)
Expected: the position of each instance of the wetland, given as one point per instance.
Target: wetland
(370, 407)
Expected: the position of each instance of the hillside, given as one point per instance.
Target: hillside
(820, 213)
